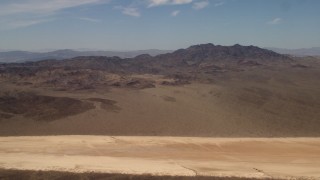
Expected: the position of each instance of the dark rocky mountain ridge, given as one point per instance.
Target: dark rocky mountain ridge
(205, 58)
(199, 62)
(210, 53)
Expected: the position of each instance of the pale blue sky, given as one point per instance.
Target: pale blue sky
(157, 24)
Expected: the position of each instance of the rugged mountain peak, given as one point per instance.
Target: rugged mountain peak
(237, 51)
(202, 46)
(210, 53)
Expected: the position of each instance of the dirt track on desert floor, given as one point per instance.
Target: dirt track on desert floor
(187, 156)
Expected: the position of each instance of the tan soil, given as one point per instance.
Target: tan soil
(186, 156)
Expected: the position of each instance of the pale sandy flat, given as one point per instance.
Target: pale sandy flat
(189, 156)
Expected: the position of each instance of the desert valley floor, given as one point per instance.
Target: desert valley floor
(231, 111)
(232, 108)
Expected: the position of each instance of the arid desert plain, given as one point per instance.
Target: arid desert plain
(203, 112)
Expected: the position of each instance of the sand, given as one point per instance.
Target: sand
(177, 156)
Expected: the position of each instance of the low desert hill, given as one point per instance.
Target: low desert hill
(204, 90)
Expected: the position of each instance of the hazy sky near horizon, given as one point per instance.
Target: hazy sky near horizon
(157, 24)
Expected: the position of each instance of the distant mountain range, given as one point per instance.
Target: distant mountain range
(198, 62)
(203, 57)
(315, 51)
(21, 56)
